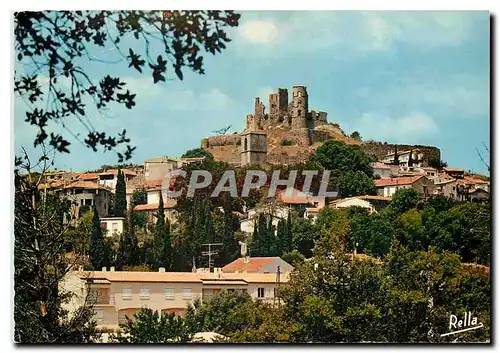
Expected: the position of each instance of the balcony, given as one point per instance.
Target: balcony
(101, 298)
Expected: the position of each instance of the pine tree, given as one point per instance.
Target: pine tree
(98, 253)
(120, 206)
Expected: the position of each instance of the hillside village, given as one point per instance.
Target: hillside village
(304, 129)
(289, 134)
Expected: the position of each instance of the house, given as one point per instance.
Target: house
(429, 172)
(381, 170)
(58, 175)
(404, 158)
(117, 295)
(151, 210)
(185, 161)
(109, 178)
(312, 213)
(447, 187)
(113, 225)
(472, 188)
(93, 177)
(258, 265)
(479, 195)
(456, 173)
(297, 199)
(83, 193)
(158, 167)
(387, 187)
(277, 211)
(352, 202)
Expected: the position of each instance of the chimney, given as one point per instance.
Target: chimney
(161, 269)
(112, 268)
(103, 269)
(247, 259)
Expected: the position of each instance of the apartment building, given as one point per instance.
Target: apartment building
(120, 294)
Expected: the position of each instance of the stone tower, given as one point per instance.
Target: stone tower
(253, 148)
(300, 107)
(278, 105)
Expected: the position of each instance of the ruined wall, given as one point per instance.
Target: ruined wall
(380, 150)
(222, 140)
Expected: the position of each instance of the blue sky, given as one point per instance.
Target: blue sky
(400, 77)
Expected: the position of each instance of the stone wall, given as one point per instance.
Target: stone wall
(222, 140)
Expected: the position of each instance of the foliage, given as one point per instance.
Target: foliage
(404, 200)
(355, 135)
(120, 204)
(162, 240)
(197, 153)
(304, 234)
(148, 326)
(342, 158)
(55, 44)
(356, 184)
(98, 253)
(128, 254)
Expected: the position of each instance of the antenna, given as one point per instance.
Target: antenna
(210, 252)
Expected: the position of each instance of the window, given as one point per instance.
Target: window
(127, 293)
(88, 202)
(98, 315)
(260, 292)
(186, 293)
(169, 293)
(114, 226)
(144, 293)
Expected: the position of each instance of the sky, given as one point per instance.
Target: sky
(397, 77)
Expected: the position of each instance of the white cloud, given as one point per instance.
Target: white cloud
(463, 95)
(259, 31)
(354, 31)
(408, 129)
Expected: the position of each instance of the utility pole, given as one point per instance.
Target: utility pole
(210, 252)
(276, 288)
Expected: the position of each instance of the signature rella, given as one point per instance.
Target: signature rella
(254, 179)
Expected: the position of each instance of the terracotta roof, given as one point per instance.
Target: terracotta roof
(453, 169)
(53, 184)
(182, 277)
(255, 264)
(397, 181)
(380, 165)
(439, 182)
(296, 197)
(86, 176)
(115, 172)
(313, 209)
(130, 276)
(86, 185)
(160, 160)
(428, 169)
(169, 203)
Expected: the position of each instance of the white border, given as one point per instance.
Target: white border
(6, 128)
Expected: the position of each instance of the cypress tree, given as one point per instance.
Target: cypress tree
(162, 240)
(98, 253)
(279, 248)
(120, 206)
(129, 250)
(410, 159)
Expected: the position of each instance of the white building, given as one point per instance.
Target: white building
(351, 202)
(404, 157)
(113, 225)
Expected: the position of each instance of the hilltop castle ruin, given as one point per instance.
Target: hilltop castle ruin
(294, 115)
